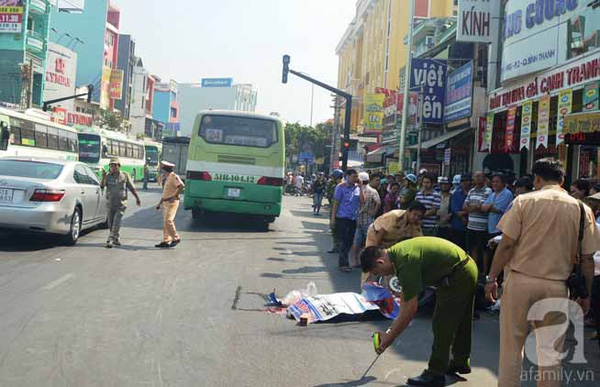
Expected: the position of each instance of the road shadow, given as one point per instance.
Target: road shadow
(360, 382)
(13, 242)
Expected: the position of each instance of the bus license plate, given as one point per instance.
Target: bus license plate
(6, 196)
(234, 178)
(234, 192)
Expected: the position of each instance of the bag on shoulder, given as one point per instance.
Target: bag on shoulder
(576, 281)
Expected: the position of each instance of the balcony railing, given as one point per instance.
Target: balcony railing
(35, 41)
(38, 6)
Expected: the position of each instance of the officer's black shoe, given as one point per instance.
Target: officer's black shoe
(427, 379)
(458, 369)
(163, 245)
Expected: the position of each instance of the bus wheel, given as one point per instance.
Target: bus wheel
(133, 176)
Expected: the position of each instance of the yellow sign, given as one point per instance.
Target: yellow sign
(583, 122)
(116, 84)
(394, 168)
(489, 130)
(526, 125)
(543, 122)
(105, 88)
(374, 112)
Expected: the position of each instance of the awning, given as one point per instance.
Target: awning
(440, 139)
(376, 156)
(378, 151)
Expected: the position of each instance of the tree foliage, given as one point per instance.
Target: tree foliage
(111, 120)
(300, 138)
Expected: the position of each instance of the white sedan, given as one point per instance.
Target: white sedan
(50, 196)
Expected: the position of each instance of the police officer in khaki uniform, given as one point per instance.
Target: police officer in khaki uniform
(117, 183)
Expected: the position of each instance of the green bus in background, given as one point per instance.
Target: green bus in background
(154, 153)
(235, 165)
(97, 146)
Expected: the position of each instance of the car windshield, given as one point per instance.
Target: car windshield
(89, 148)
(30, 169)
(152, 154)
(240, 131)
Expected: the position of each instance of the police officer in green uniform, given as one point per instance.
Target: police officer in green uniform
(117, 183)
(428, 261)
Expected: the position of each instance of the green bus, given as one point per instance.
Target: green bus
(97, 146)
(154, 153)
(235, 165)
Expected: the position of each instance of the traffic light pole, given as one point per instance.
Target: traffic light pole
(343, 94)
(47, 104)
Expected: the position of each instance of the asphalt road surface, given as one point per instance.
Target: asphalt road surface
(192, 316)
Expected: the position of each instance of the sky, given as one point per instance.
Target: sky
(188, 40)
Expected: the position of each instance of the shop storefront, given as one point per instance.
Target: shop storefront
(550, 73)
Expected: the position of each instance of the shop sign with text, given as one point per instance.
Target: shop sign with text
(478, 20)
(374, 112)
(459, 93)
(11, 16)
(431, 75)
(570, 75)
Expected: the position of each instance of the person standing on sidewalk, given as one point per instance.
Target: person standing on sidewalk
(366, 212)
(117, 184)
(428, 261)
(459, 215)
(346, 200)
(319, 187)
(170, 203)
(334, 181)
(540, 240)
(495, 205)
(408, 193)
(445, 215)
(477, 234)
(432, 202)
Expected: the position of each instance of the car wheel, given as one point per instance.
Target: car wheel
(75, 229)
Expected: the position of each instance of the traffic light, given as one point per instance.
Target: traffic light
(286, 68)
(90, 92)
(346, 145)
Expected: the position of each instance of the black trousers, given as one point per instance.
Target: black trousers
(345, 232)
(459, 237)
(596, 304)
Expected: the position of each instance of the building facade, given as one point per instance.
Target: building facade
(217, 93)
(372, 51)
(166, 107)
(94, 36)
(125, 63)
(24, 35)
(543, 100)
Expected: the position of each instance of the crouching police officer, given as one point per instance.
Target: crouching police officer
(422, 262)
(117, 183)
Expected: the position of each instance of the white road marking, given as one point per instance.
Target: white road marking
(59, 281)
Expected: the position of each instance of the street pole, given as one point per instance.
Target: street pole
(405, 108)
(420, 117)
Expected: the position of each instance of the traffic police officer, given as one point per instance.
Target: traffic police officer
(428, 261)
(117, 183)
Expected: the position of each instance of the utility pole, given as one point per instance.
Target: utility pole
(420, 118)
(405, 108)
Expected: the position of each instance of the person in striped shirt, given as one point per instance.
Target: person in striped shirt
(477, 228)
(432, 201)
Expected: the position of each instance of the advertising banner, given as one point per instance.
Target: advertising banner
(105, 88)
(583, 123)
(374, 112)
(11, 16)
(431, 73)
(570, 75)
(478, 20)
(509, 138)
(543, 122)
(489, 130)
(61, 72)
(459, 93)
(526, 125)
(116, 84)
(217, 82)
(565, 104)
(481, 129)
(535, 35)
(59, 115)
(590, 97)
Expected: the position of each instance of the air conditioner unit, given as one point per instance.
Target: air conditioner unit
(429, 41)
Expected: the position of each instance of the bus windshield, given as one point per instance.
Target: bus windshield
(238, 131)
(152, 154)
(89, 148)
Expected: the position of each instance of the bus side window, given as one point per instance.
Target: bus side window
(73, 143)
(4, 135)
(63, 140)
(104, 151)
(15, 130)
(52, 138)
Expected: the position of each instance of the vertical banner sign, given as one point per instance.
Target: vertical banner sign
(458, 94)
(374, 112)
(116, 84)
(509, 138)
(478, 20)
(430, 73)
(481, 128)
(590, 97)
(11, 16)
(543, 121)
(489, 130)
(526, 124)
(565, 104)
